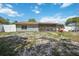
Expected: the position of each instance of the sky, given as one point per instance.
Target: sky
(42, 12)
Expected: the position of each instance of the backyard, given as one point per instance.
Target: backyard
(69, 35)
(39, 43)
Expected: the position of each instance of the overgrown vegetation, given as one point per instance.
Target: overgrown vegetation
(4, 21)
(6, 48)
(30, 43)
(32, 20)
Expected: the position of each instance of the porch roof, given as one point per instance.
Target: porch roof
(26, 23)
(35, 23)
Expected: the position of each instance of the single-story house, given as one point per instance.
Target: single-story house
(34, 26)
(27, 26)
(30, 26)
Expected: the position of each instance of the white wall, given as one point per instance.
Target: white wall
(33, 28)
(1, 28)
(69, 28)
(18, 28)
(9, 28)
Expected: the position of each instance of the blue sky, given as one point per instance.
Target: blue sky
(42, 12)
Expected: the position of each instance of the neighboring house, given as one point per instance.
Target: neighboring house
(33, 26)
(1, 28)
(7, 28)
(68, 28)
(74, 27)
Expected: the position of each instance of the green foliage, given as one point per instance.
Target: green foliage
(4, 21)
(72, 20)
(14, 22)
(32, 20)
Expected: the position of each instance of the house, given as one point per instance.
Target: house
(1, 28)
(74, 27)
(34, 26)
(7, 28)
(27, 26)
(30, 26)
(67, 28)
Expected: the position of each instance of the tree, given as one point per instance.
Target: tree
(74, 21)
(14, 22)
(7, 21)
(4, 21)
(32, 20)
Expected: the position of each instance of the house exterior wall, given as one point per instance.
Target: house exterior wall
(1, 28)
(38, 27)
(32, 28)
(29, 28)
(19, 28)
(47, 27)
(74, 26)
(67, 28)
(9, 28)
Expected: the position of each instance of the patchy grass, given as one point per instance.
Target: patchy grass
(70, 35)
(32, 35)
(7, 33)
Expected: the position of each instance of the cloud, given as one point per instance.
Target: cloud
(36, 10)
(57, 18)
(72, 16)
(53, 19)
(48, 19)
(65, 5)
(8, 11)
(1, 5)
(40, 4)
(9, 5)
(56, 3)
(36, 7)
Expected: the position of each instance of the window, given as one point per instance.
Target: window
(24, 27)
